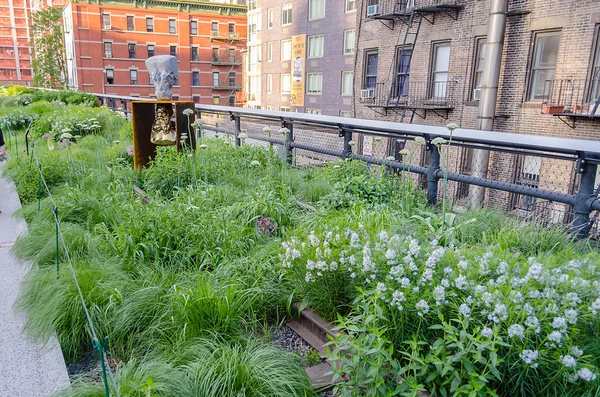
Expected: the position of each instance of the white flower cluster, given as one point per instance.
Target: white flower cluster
(508, 298)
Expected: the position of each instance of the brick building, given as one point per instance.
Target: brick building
(324, 33)
(107, 43)
(15, 54)
(420, 61)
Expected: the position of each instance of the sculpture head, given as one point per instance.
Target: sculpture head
(163, 73)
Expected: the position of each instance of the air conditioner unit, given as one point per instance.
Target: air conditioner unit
(368, 93)
(373, 10)
(476, 94)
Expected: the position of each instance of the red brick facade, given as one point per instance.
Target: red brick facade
(116, 44)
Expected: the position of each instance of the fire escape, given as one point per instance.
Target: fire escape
(403, 96)
(228, 58)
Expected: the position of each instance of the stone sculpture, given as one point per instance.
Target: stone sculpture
(163, 73)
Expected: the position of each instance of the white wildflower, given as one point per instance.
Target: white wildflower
(255, 163)
(452, 126)
(555, 336)
(568, 361)
(242, 136)
(529, 357)
(188, 112)
(559, 323)
(422, 307)
(404, 152)
(420, 141)
(516, 330)
(487, 332)
(381, 288)
(438, 141)
(576, 351)
(586, 374)
(397, 299)
(571, 316)
(465, 310)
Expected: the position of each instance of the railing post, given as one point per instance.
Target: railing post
(347, 151)
(238, 129)
(289, 138)
(582, 208)
(432, 178)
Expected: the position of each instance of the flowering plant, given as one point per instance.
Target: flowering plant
(266, 226)
(539, 313)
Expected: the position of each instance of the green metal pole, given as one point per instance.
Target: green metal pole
(55, 210)
(100, 349)
(39, 196)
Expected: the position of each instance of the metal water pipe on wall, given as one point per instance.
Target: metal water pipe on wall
(489, 93)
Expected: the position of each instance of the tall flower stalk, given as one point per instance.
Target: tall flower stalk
(283, 131)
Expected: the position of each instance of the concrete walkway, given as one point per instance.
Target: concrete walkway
(27, 368)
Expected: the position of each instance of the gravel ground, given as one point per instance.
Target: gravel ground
(286, 338)
(88, 366)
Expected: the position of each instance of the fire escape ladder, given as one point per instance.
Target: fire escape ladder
(404, 57)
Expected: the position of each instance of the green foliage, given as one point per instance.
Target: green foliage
(48, 49)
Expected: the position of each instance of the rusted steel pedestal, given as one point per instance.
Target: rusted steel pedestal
(143, 115)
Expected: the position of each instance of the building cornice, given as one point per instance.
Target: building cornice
(179, 5)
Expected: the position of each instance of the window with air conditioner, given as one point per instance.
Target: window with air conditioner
(105, 21)
(110, 76)
(133, 77)
(373, 8)
(370, 75)
(314, 83)
(108, 50)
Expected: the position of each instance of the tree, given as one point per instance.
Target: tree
(48, 48)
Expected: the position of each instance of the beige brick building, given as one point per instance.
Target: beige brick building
(549, 80)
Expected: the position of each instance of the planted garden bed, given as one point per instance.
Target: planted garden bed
(183, 281)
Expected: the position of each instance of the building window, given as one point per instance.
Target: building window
(480, 45)
(232, 55)
(173, 50)
(216, 100)
(108, 50)
(110, 76)
(543, 63)
(316, 9)
(194, 28)
(316, 46)
(284, 108)
(371, 69)
(595, 73)
(130, 23)
(150, 24)
(347, 83)
(131, 48)
(286, 50)
(215, 79)
(231, 100)
(270, 18)
(312, 111)
(269, 83)
(439, 70)
(215, 28)
(269, 51)
(105, 21)
(195, 78)
(345, 113)
(194, 54)
(529, 175)
(251, 5)
(286, 14)
(196, 98)
(215, 54)
(350, 5)
(232, 79)
(172, 27)
(285, 83)
(150, 50)
(349, 41)
(231, 30)
(314, 83)
(402, 77)
(133, 77)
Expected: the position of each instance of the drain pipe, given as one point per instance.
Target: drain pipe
(489, 94)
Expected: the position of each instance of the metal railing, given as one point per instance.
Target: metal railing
(404, 93)
(226, 60)
(572, 97)
(398, 8)
(546, 179)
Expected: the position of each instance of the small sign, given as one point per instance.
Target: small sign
(368, 145)
(297, 70)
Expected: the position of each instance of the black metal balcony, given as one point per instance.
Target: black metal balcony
(227, 86)
(572, 99)
(398, 9)
(226, 60)
(439, 95)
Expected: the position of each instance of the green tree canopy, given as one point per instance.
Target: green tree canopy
(48, 48)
